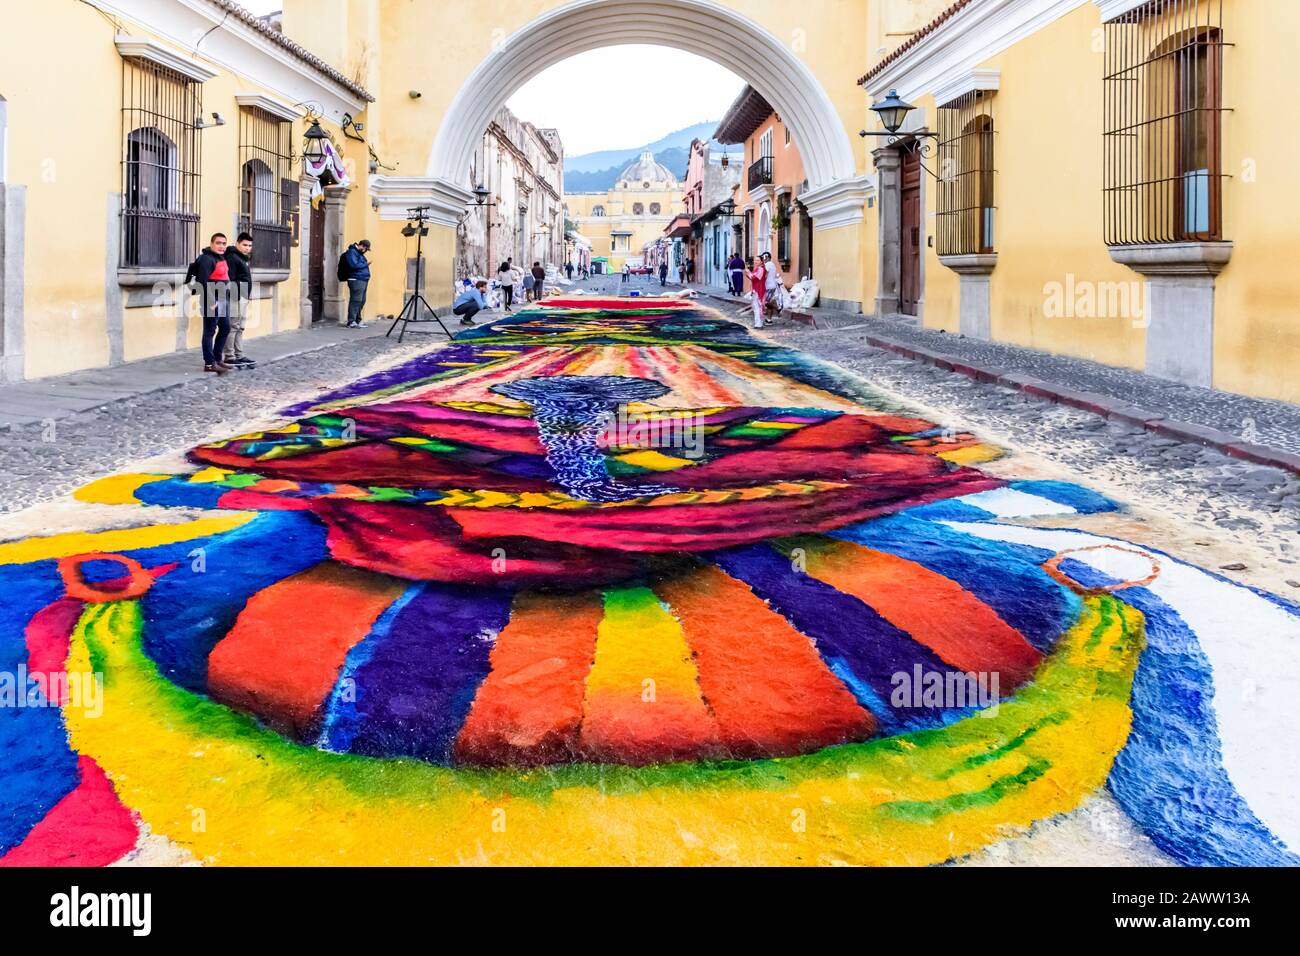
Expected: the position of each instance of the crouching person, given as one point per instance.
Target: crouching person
(470, 302)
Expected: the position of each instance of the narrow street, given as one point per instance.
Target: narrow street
(513, 585)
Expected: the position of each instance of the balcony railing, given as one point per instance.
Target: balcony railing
(760, 173)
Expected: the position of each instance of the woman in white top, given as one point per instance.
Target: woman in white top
(506, 276)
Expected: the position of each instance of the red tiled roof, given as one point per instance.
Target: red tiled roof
(306, 56)
(914, 39)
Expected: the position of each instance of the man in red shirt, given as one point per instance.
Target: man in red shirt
(212, 273)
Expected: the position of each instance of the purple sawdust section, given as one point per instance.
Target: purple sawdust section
(860, 647)
(414, 691)
(423, 366)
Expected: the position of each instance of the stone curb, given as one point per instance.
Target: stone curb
(1098, 404)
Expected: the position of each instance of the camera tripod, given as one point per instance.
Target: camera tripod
(418, 215)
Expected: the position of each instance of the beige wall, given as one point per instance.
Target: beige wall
(65, 146)
(1050, 230)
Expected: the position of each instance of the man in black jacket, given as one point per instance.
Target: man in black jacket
(241, 278)
(212, 274)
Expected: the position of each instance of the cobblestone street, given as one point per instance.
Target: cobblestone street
(1185, 481)
(1059, 479)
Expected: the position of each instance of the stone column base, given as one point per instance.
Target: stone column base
(976, 319)
(1180, 305)
(13, 244)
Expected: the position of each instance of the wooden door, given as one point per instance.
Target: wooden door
(910, 268)
(316, 263)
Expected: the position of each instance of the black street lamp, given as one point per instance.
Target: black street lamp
(892, 111)
(312, 149)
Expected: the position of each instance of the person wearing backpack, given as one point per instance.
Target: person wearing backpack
(210, 276)
(355, 271)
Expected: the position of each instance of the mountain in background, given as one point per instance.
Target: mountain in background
(598, 172)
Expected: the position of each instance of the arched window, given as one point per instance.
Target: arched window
(155, 228)
(257, 200)
(638, 209)
(160, 193)
(966, 208)
(763, 239)
(151, 170)
(1163, 82)
(598, 211)
(268, 193)
(655, 209)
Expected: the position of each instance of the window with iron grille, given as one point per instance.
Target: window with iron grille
(966, 208)
(268, 207)
(160, 166)
(1163, 123)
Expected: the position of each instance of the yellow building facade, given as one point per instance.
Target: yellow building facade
(1029, 200)
(115, 173)
(620, 223)
(1100, 184)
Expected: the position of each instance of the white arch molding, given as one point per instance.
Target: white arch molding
(707, 29)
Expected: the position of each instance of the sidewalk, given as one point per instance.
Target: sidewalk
(24, 403)
(1260, 430)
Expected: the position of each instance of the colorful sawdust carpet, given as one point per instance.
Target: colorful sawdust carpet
(613, 581)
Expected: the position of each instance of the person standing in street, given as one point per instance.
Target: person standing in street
(355, 271)
(568, 270)
(239, 260)
(736, 272)
(470, 302)
(211, 273)
(528, 286)
(627, 273)
(539, 281)
(663, 273)
(758, 290)
(774, 286)
(506, 277)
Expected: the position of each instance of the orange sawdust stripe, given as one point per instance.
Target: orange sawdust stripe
(529, 708)
(767, 686)
(284, 654)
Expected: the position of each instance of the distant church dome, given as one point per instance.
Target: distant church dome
(645, 173)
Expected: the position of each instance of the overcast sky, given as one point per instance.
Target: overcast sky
(616, 97)
(626, 96)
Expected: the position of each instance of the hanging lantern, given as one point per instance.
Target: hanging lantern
(313, 147)
(892, 111)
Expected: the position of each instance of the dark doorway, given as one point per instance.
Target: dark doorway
(909, 297)
(316, 263)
